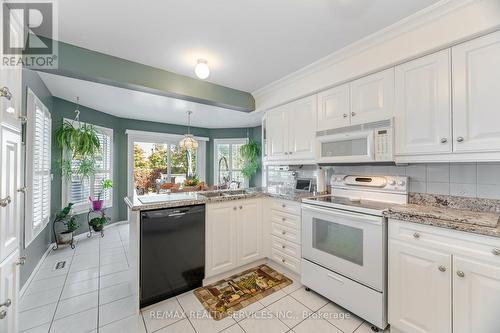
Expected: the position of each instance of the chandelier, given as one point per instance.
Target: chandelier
(188, 142)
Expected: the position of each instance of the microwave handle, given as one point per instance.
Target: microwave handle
(366, 218)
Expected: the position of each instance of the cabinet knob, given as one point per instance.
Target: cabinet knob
(283, 206)
(241, 207)
(5, 92)
(234, 208)
(496, 252)
(22, 189)
(283, 219)
(3, 314)
(283, 232)
(5, 201)
(21, 261)
(460, 273)
(416, 235)
(283, 260)
(460, 139)
(353, 113)
(444, 140)
(286, 153)
(283, 246)
(7, 303)
(442, 268)
(345, 115)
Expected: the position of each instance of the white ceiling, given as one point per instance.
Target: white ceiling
(248, 43)
(132, 104)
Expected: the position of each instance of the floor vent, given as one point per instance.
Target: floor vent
(60, 265)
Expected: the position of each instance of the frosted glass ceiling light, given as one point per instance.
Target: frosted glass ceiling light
(201, 70)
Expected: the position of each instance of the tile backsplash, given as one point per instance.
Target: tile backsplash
(459, 179)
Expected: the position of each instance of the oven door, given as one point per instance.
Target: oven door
(353, 147)
(348, 243)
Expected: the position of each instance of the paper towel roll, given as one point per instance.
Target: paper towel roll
(320, 181)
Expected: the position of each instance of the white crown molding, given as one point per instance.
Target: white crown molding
(408, 24)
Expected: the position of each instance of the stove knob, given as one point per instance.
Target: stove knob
(401, 183)
(392, 182)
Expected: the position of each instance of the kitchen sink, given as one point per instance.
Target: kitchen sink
(235, 192)
(224, 193)
(213, 194)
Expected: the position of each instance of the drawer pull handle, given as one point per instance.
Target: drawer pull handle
(416, 235)
(5, 201)
(442, 268)
(241, 207)
(234, 208)
(496, 252)
(7, 303)
(331, 276)
(5, 92)
(21, 261)
(3, 314)
(283, 232)
(460, 274)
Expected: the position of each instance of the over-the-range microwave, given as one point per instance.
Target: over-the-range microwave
(370, 142)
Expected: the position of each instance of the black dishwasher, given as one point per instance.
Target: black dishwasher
(172, 252)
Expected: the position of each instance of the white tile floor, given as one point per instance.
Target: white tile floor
(93, 294)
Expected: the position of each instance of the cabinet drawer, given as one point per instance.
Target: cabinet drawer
(288, 220)
(289, 262)
(451, 241)
(289, 234)
(286, 206)
(285, 246)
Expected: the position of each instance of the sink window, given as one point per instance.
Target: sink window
(229, 150)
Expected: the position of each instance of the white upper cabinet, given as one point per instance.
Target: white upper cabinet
(302, 128)
(423, 108)
(372, 97)
(277, 131)
(476, 94)
(334, 108)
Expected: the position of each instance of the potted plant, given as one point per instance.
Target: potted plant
(250, 153)
(97, 223)
(106, 184)
(65, 217)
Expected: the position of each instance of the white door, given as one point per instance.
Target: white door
(423, 107)
(302, 129)
(476, 296)
(333, 108)
(277, 131)
(476, 94)
(372, 97)
(9, 289)
(419, 289)
(221, 238)
(10, 197)
(249, 222)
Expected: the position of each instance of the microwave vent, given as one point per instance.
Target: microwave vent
(356, 128)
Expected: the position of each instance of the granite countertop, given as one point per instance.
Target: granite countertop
(474, 215)
(196, 198)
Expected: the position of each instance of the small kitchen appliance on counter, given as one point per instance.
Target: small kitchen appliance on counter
(344, 242)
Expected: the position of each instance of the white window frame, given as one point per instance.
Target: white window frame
(85, 206)
(236, 141)
(31, 228)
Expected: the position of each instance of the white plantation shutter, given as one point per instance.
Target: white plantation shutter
(38, 173)
(77, 190)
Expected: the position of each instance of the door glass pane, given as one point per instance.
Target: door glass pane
(354, 147)
(338, 240)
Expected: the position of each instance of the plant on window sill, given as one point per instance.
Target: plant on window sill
(250, 154)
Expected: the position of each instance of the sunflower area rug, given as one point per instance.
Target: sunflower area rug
(230, 295)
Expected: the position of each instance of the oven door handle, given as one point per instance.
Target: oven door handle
(331, 276)
(335, 212)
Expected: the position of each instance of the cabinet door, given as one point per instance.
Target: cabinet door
(10, 182)
(249, 221)
(333, 108)
(476, 296)
(9, 288)
(423, 109)
(476, 97)
(302, 128)
(372, 97)
(221, 238)
(419, 291)
(277, 130)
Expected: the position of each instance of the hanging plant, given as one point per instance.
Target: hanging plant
(250, 153)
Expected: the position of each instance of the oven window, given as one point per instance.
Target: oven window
(352, 147)
(338, 240)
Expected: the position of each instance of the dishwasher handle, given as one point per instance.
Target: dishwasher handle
(171, 212)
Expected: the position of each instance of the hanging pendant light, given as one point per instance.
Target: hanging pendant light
(188, 141)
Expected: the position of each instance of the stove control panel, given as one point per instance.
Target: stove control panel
(380, 183)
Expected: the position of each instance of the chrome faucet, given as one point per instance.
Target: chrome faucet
(225, 180)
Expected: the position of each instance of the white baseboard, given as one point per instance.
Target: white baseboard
(35, 270)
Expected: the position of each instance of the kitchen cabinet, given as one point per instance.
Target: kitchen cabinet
(10, 196)
(291, 131)
(423, 105)
(476, 98)
(9, 290)
(476, 296)
(233, 235)
(442, 280)
(372, 97)
(334, 108)
(419, 289)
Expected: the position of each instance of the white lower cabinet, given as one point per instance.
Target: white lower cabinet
(9, 288)
(233, 235)
(442, 280)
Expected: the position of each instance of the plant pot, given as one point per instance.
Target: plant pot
(64, 237)
(97, 205)
(98, 227)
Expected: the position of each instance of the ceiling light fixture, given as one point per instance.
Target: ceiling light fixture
(188, 141)
(201, 70)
